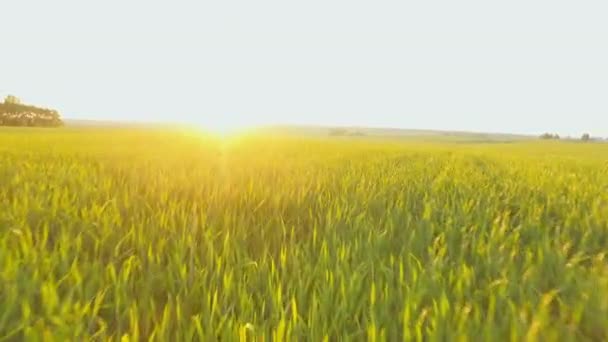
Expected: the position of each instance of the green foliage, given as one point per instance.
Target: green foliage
(14, 113)
(11, 99)
(172, 236)
(586, 137)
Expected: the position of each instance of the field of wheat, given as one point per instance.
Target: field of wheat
(137, 234)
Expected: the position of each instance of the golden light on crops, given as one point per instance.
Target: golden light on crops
(223, 126)
(180, 238)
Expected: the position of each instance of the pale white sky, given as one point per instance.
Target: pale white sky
(524, 66)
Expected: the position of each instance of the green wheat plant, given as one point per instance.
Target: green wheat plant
(168, 235)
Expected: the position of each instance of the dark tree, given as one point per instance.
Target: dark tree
(14, 113)
(586, 137)
(549, 136)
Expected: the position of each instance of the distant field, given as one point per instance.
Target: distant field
(131, 234)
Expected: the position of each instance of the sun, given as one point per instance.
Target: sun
(222, 127)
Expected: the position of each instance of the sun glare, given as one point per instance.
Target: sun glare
(222, 127)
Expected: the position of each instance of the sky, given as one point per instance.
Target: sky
(518, 66)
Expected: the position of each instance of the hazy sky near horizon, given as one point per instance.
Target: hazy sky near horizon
(521, 66)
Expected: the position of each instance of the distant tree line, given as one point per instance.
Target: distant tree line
(14, 113)
(549, 136)
(345, 132)
(585, 137)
